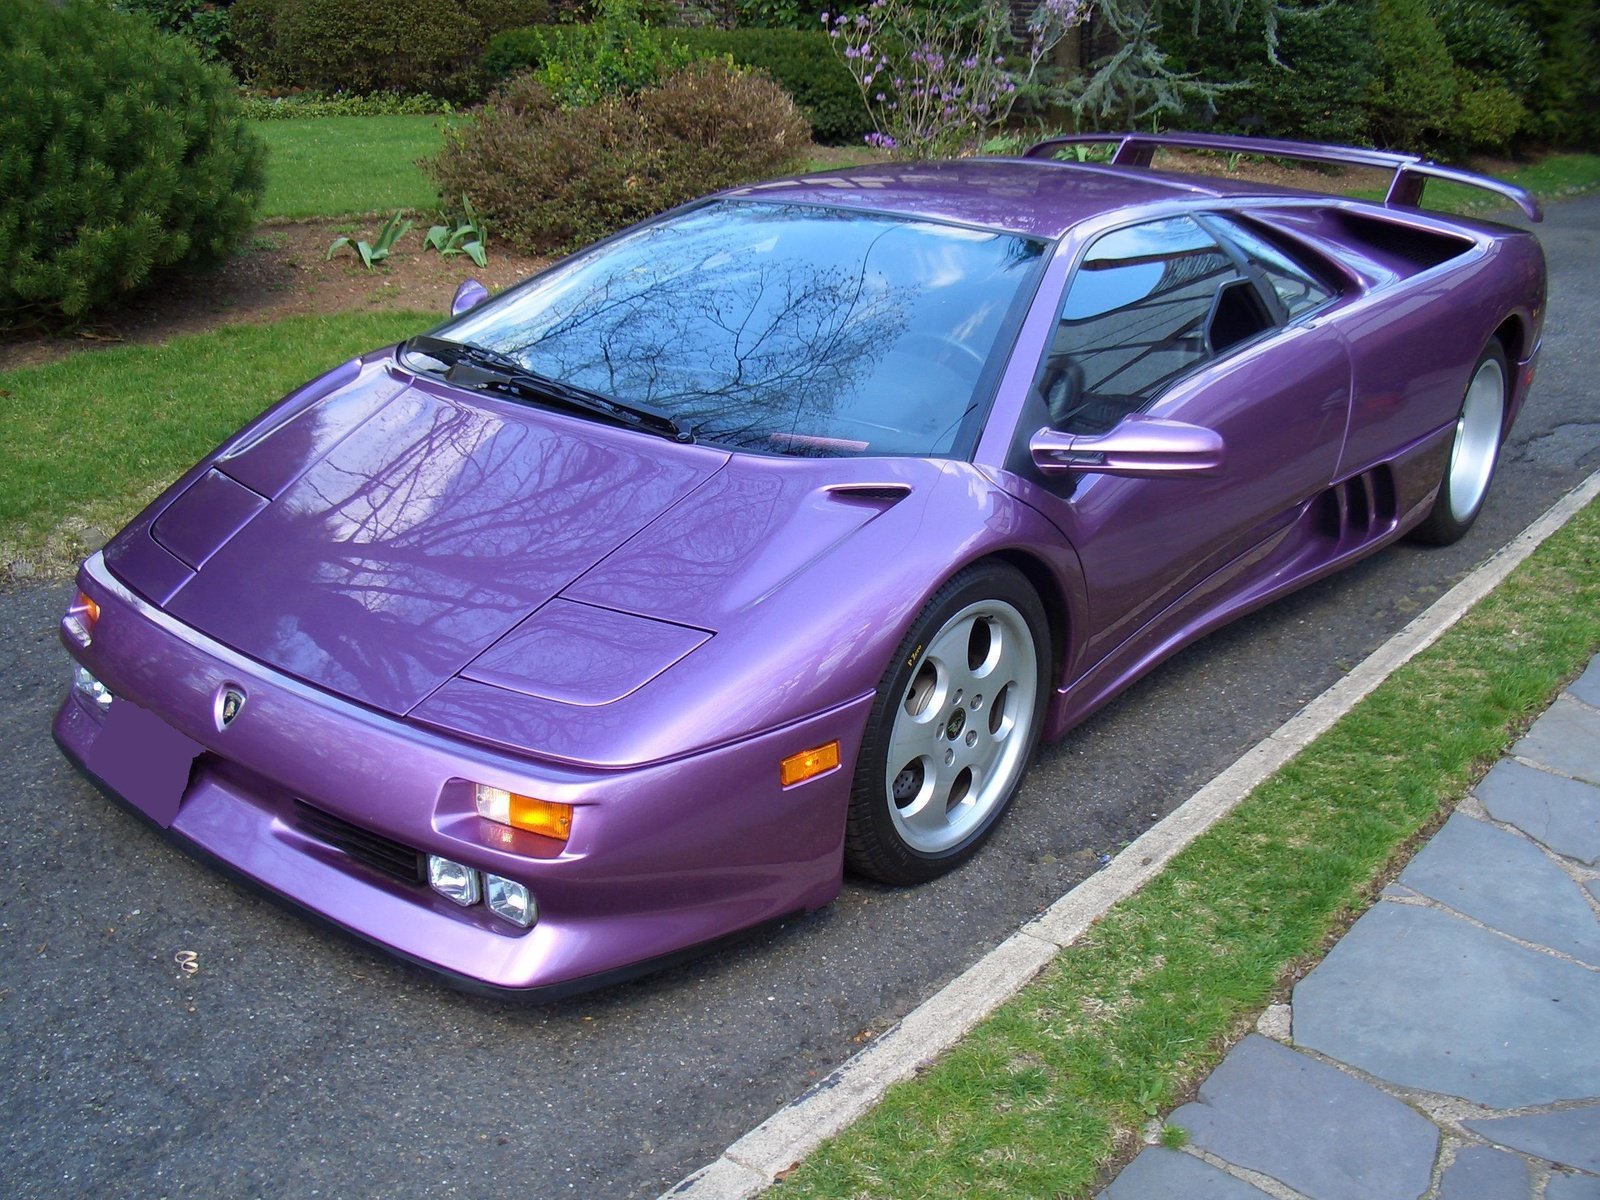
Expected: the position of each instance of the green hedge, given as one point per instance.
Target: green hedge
(364, 46)
(803, 63)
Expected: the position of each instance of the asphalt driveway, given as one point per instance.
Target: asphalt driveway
(294, 1062)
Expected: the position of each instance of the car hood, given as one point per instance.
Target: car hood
(376, 539)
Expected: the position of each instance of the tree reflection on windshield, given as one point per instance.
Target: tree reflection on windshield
(781, 328)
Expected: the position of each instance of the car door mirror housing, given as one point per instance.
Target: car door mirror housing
(1138, 446)
(468, 296)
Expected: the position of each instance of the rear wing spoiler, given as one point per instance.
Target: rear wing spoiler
(1411, 172)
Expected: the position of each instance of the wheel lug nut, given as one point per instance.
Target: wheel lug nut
(949, 757)
(977, 703)
(972, 737)
(959, 694)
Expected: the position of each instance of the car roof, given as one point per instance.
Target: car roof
(1034, 197)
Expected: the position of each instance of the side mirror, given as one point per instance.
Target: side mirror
(1139, 447)
(468, 296)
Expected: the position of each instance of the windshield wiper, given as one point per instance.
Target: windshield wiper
(478, 367)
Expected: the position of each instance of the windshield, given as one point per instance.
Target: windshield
(784, 329)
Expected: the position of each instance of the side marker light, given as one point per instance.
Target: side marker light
(808, 764)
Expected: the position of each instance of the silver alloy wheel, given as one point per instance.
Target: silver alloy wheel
(1477, 439)
(963, 727)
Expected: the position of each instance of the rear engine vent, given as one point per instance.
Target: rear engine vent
(376, 851)
(1422, 248)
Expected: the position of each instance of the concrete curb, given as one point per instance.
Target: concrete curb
(751, 1164)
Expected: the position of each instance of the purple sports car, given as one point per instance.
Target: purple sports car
(624, 611)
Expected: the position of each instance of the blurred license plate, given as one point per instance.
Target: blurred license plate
(144, 760)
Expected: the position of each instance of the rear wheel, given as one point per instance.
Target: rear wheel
(956, 720)
(1474, 451)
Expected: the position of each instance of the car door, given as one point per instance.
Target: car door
(1161, 319)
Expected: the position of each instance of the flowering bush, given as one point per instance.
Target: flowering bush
(937, 82)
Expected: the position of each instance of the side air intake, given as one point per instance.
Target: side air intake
(1361, 508)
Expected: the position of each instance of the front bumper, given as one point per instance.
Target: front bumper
(663, 858)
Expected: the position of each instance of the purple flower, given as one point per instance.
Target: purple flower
(824, 18)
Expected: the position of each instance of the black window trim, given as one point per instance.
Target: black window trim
(1212, 218)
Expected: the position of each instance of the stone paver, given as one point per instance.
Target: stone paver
(1567, 738)
(1429, 993)
(1573, 1187)
(1161, 1174)
(1563, 814)
(1425, 1000)
(1509, 884)
(1587, 687)
(1480, 1173)
(1310, 1126)
(1571, 1137)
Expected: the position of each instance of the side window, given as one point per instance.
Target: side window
(1298, 289)
(1148, 304)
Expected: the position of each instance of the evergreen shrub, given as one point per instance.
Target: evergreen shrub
(1564, 98)
(1316, 89)
(1496, 56)
(1412, 97)
(206, 24)
(428, 46)
(121, 156)
(548, 178)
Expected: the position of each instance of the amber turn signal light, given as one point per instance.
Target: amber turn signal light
(82, 615)
(808, 764)
(544, 817)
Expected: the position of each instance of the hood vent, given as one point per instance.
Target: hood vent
(880, 494)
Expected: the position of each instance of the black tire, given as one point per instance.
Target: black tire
(1474, 452)
(966, 691)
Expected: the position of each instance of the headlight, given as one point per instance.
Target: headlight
(452, 880)
(92, 689)
(509, 899)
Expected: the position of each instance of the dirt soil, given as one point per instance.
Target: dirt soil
(284, 271)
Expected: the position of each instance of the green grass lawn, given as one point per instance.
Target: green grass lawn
(1058, 1083)
(333, 166)
(91, 438)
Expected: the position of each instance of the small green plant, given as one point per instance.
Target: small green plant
(395, 228)
(1174, 1137)
(469, 237)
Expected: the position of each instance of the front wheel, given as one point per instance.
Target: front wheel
(1474, 451)
(955, 722)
